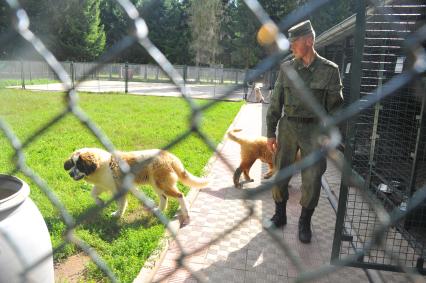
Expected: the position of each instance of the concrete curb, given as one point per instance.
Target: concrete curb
(152, 264)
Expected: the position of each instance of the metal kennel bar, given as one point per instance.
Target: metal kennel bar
(385, 144)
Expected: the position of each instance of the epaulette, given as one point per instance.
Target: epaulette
(288, 62)
(328, 62)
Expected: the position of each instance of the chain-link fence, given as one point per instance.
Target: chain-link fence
(384, 141)
(34, 70)
(127, 78)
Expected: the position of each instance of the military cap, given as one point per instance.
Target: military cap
(303, 28)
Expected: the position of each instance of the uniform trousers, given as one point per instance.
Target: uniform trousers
(303, 134)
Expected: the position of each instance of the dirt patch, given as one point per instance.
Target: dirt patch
(72, 269)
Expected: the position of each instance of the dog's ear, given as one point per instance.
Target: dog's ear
(68, 164)
(87, 163)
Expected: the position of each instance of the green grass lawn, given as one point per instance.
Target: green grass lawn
(131, 122)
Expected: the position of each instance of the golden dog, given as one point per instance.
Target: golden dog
(157, 167)
(251, 150)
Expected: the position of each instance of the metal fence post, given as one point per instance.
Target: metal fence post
(72, 73)
(350, 132)
(126, 77)
(198, 74)
(22, 75)
(185, 73)
(221, 77)
(245, 85)
(29, 70)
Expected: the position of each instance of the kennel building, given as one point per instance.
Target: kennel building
(387, 140)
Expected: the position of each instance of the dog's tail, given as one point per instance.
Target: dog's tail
(186, 177)
(232, 136)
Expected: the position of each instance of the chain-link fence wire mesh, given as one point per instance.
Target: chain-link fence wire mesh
(386, 219)
(30, 71)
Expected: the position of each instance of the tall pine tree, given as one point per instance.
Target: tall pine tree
(240, 36)
(77, 32)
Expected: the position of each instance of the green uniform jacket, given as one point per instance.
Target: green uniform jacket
(321, 77)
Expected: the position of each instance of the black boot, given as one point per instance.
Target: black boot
(280, 217)
(305, 232)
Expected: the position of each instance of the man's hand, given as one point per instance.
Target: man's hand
(272, 144)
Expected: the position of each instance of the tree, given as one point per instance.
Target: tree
(13, 45)
(115, 21)
(238, 36)
(331, 14)
(322, 19)
(177, 37)
(5, 31)
(241, 26)
(204, 23)
(186, 31)
(79, 34)
(167, 29)
(278, 9)
(117, 26)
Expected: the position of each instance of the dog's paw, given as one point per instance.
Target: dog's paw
(267, 176)
(183, 220)
(238, 185)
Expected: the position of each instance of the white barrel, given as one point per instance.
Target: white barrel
(24, 238)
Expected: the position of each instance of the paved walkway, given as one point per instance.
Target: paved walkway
(248, 253)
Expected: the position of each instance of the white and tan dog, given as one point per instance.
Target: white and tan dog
(258, 95)
(157, 167)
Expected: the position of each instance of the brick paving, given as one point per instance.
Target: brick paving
(248, 253)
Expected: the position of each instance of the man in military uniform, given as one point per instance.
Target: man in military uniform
(298, 127)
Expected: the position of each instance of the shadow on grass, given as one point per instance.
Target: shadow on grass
(108, 228)
(104, 226)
